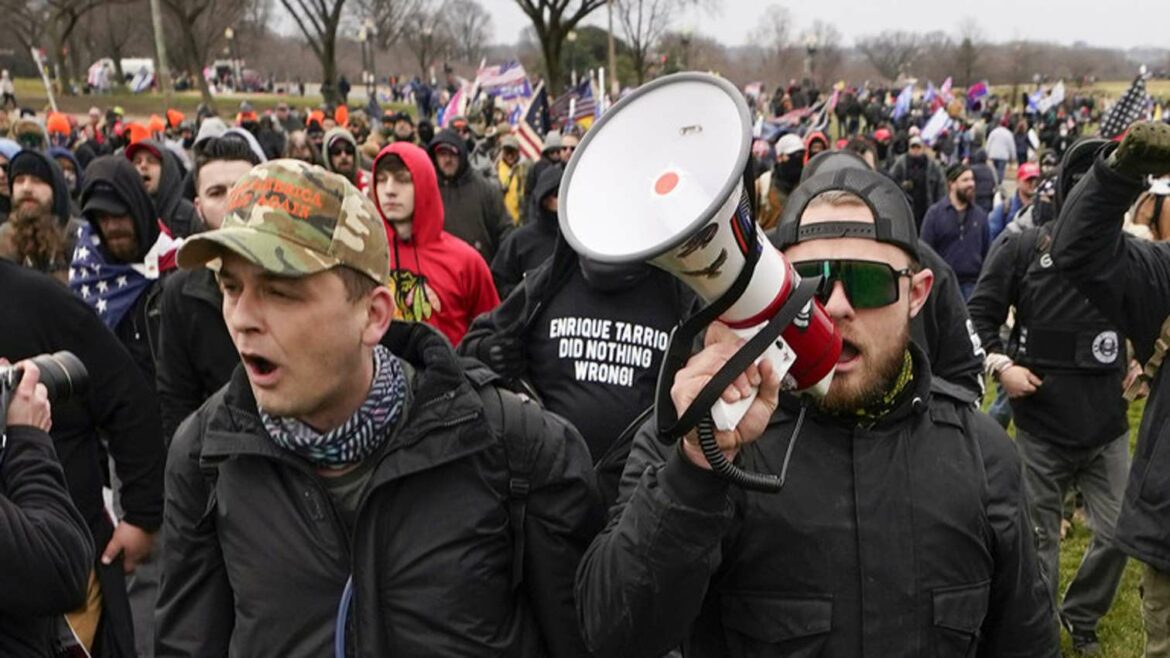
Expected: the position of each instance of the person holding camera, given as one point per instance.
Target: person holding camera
(901, 528)
(118, 420)
(45, 547)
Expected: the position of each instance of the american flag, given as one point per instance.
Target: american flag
(533, 123)
(580, 99)
(505, 81)
(112, 288)
(1131, 107)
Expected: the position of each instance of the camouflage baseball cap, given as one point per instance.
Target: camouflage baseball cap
(294, 219)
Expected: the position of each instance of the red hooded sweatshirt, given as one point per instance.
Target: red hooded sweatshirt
(436, 277)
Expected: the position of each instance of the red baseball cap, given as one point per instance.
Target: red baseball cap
(1027, 171)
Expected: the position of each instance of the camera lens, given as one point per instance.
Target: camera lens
(63, 374)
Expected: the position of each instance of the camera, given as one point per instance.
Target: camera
(62, 373)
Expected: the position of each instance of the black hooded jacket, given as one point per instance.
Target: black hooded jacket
(173, 208)
(532, 244)
(909, 537)
(62, 206)
(985, 182)
(473, 207)
(139, 328)
(1128, 280)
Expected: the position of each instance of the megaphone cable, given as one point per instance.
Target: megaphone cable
(721, 466)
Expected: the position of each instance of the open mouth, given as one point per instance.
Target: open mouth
(849, 352)
(260, 369)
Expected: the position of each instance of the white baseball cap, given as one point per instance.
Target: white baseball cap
(789, 144)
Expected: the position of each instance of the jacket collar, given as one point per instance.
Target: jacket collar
(200, 284)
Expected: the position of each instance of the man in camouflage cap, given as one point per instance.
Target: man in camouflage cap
(346, 477)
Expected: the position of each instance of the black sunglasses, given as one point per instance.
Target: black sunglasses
(867, 284)
(338, 150)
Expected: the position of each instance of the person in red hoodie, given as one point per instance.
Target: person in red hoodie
(436, 277)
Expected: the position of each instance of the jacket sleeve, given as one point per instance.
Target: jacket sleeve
(928, 228)
(481, 289)
(564, 513)
(195, 612)
(179, 393)
(996, 291)
(498, 220)
(503, 318)
(1128, 280)
(125, 408)
(643, 581)
(45, 546)
(1019, 613)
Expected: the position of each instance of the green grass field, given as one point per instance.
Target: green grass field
(31, 93)
(1120, 631)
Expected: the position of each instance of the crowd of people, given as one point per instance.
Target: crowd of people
(354, 393)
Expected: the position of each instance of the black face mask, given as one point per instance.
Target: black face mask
(188, 142)
(791, 169)
(608, 277)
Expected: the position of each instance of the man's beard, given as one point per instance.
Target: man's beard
(873, 381)
(37, 237)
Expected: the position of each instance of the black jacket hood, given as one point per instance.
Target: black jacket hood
(451, 138)
(170, 186)
(116, 172)
(548, 184)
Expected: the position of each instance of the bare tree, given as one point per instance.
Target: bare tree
(890, 52)
(470, 27)
(392, 18)
(428, 34)
(774, 37)
(115, 31)
(200, 26)
(969, 54)
(34, 21)
(643, 22)
(552, 21)
(319, 21)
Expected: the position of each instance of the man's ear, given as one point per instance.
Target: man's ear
(379, 313)
(920, 286)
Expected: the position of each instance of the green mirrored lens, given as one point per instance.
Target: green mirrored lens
(869, 285)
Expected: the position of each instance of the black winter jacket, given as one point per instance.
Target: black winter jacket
(473, 207)
(196, 356)
(45, 549)
(257, 567)
(1128, 280)
(910, 538)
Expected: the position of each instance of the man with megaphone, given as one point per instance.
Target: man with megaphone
(898, 526)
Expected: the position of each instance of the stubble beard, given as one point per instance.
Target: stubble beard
(873, 381)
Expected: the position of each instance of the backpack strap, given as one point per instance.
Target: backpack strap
(1161, 346)
(517, 421)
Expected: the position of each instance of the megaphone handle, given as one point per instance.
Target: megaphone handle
(728, 414)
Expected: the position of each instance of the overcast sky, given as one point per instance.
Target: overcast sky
(1109, 23)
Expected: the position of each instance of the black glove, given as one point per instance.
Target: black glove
(503, 354)
(1145, 151)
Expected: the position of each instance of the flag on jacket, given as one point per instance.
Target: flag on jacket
(112, 288)
(1131, 107)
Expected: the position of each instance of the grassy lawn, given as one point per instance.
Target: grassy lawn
(1120, 631)
(31, 93)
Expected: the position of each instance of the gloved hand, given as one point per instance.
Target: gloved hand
(503, 354)
(1145, 151)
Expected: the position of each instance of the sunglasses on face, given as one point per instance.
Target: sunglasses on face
(867, 284)
(338, 150)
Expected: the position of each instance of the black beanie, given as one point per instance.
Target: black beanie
(956, 170)
(32, 164)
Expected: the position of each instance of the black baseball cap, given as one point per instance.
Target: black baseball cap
(893, 219)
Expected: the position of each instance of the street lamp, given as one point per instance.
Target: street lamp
(810, 50)
(230, 34)
(685, 39)
(371, 31)
(571, 37)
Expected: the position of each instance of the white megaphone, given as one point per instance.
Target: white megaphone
(659, 178)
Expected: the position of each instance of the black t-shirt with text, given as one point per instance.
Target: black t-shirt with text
(593, 356)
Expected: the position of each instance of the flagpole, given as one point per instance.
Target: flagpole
(617, 88)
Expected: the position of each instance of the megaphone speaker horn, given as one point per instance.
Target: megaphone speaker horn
(660, 178)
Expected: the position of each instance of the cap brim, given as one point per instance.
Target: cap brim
(275, 254)
(104, 205)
